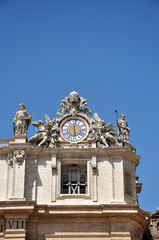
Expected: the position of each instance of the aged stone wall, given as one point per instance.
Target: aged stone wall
(73, 179)
(3, 176)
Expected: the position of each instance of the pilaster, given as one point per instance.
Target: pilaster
(94, 177)
(53, 184)
(118, 179)
(18, 174)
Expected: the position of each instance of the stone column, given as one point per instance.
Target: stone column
(94, 177)
(18, 175)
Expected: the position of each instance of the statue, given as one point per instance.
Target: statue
(103, 134)
(47, 135)
(23, 120)
(123, 129)
(55, 130)
(42, 135)
(99, 126)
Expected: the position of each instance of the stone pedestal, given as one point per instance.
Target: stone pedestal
(20, 139)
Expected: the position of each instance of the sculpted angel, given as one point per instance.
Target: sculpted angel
(42, 135)
(99, 126)
(54, 132)
(102, 133)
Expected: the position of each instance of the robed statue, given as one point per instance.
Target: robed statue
(21, 121)
(123, 129)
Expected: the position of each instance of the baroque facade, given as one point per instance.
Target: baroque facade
(73, 179)
(155, 225)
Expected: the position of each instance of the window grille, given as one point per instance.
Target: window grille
(74, 181)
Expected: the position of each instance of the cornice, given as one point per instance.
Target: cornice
(112, 151)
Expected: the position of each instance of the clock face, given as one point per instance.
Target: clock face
(74, 130)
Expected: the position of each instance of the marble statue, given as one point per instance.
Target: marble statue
(22, 120)
(103, 134)
(123, 129)
(42, 136)
(55, 130)
(47, 135)
(73, 105)
(99, 127)
(51, 134)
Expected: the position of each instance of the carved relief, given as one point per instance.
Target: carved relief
(10, 159)
(73, 105)
(94, 170)
(53, 170)
(15, 224)
(47, 135)
(71, 146)
(19, 156)
(2, 227)
(16, 156)
(104, 136)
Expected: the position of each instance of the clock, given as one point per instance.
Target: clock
(74, 130)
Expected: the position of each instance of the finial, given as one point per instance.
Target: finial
(74, 86)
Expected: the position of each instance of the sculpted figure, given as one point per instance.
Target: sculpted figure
(22, 119)
(123, 129)
(54, 132)
(42, 135)
(99, 126)
(73, 105)
(111, 135)
(102, 133)
(47, 135)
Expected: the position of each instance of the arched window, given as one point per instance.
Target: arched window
(128, 186)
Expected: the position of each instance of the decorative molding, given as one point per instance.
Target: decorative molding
(19, 157)
(10, 159)
(53, 171)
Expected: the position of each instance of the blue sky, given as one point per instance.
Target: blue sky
(107, 50)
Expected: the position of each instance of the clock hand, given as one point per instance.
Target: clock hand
(74, 129)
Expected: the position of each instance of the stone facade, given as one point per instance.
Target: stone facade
(155, 225)
(74, 179)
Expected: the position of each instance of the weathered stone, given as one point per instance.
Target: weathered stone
(71, 180)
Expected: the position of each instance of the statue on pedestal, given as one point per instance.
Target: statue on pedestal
(123, 129)
(23, 120)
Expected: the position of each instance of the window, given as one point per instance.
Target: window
(158, 229)
(74, 179)
(128, 186)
